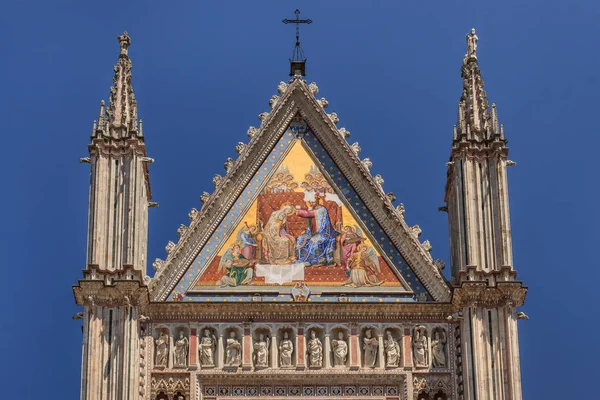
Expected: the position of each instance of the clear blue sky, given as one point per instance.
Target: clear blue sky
(203, 71)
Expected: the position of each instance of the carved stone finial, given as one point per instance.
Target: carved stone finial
(323, 102)
(282, 87)
(252, 131)
(205, 196)
(401, 210)
(169, 247)
(472, 40)
(240, 147)
(391, 196)
(440, 264)
(193, 214)
(344, 132)
(356, 148)
(379, 180)
(314, 89)
(228, 164)
(84, 160)
(334, 118)
(510, 163)
(217, 180)
(415, 230)
(273, 101)
(181, 230)
(367, 163)
(426, 246)
(263, 116)
(124, 42)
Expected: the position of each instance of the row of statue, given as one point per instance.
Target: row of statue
(339, 347)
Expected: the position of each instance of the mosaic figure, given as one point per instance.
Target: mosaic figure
(317, 245)
(279, 246)
(246, 238)
(350, 240)
(237, 268)
(364, 265)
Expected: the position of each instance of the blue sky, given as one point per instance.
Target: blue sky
(203, 71)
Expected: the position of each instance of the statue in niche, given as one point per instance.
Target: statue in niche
(261, 351)
(392, 350)
(315, 351)
(162, 350)
(370, 346)
(286, 348)
(340, 350)
(438, 348)
(234, 351)
(180, 353)
(420, 347)
(208, 347)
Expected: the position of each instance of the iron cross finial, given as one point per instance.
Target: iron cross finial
(297, 21)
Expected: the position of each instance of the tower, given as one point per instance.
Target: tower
(483, 274)
(112, 289)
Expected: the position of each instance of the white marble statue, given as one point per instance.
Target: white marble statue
(370, 346)
(438, 350)
(472, 40)
(420, 347)
(261, 351)
(234, 351)
(392, 350)
(340, 350)
(315, 351)
(180, 353)
(162, 350)
(286, 348)
(208, 347)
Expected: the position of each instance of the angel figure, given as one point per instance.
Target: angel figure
(351, 238)
(364, 265)
(261, 351)
(237, 268)
(246, 238)
(208, 347)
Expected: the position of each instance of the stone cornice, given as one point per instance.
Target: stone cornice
(296, 99)
(481, 294)
(333, 312)
(115, 293)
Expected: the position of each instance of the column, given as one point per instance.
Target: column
(354, 347)
(273, 353)
(406, 350)
(300, 350)
(220, 352)
(193, 349)
(247, 347)
(381, 350)
(327, 348)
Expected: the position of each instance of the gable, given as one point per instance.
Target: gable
(255, 188)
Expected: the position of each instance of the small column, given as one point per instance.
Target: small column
(327, 355)
(220, 352)
(354, 347)
(273, 352)
(247, 347)
(300, 350)
(381, 351)
(193, 349)
(406, 351)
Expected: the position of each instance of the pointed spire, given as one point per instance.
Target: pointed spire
(122, 111)
(475, 120)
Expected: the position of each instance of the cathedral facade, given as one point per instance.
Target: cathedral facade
(298, 277)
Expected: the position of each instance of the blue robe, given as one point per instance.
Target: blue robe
(317, 248)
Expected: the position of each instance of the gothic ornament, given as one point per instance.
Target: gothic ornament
(282, 87)
(334, 118)
(344, 132)
(228, 164)
(169, 247)
(205, 196)
(323, 102)
(273, 100)
(367, 163)
(157, 264)
(355, 148)
(252, 132)
(240, 147)
(313, 88)
(193, 213)
(181, 230)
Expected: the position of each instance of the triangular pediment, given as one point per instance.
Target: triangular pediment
(298, 208)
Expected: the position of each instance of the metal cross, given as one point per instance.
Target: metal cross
(297, 21)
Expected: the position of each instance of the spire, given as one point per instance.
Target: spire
(120, 119)
(298, 61)
(475, 120)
